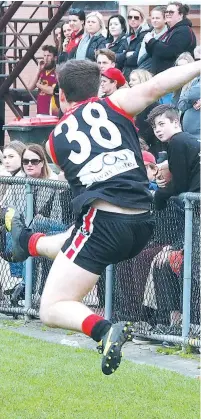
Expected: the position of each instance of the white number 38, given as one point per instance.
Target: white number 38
(96, 123)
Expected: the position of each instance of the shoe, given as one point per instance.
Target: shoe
(111, 344)
(18, 294)
(15, 225)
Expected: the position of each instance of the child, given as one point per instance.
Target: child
(152, 169)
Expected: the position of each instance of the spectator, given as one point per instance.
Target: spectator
(183, 59)
(57, 36)
(139, 76)
(145, 131)
(182, 151)
(159, 28)
(66, 33)
(11, 160)
(105, 59)
(12, 154)
(34, 163)
(179, 38)
(65, 37)
(93, 38)
(76, 22)
(138, 28)
(45, 202)
(189, 105)
(111, 80)
(116, 38)
(197, 53)
(163, 290)
(45, 79)
(151, 168)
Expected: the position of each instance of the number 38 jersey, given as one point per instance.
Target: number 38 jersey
(97, 147)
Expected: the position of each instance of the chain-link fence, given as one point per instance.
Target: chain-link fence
(148, 290)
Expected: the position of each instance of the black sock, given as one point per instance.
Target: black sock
(100, 329)
(24, 238)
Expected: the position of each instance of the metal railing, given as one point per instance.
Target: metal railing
(147, 290)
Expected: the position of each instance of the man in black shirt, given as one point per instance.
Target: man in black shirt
(182, 152)
(97, 147)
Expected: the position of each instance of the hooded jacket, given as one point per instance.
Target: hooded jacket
(164, 52)
(134, 44)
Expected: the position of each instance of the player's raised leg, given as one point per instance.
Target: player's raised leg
(66, 286)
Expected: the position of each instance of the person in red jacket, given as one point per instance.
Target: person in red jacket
(76, 22)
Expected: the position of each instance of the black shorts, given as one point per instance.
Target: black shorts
(101, 238)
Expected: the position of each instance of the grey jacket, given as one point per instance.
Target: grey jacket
(191, 117)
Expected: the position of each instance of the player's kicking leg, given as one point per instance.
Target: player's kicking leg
(66, 286)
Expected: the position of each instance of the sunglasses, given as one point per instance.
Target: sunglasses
(134, 17)
(34, 162)
(169, 12)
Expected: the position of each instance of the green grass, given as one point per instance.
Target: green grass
(43, 380)
(189, 353)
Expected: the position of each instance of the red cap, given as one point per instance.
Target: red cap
(148, 157)
(115, 74)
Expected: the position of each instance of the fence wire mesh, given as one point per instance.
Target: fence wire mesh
(147, 289)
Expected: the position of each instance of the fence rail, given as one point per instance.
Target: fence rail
(158, 290)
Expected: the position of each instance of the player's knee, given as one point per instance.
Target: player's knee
(45, 315)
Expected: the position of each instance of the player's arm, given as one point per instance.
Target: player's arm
(136, 99)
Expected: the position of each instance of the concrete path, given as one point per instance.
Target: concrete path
(139, 352)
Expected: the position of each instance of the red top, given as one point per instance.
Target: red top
(74, 41)
(47, 78)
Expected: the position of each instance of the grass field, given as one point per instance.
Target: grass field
(43, 380)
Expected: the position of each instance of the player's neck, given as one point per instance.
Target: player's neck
(70, 105)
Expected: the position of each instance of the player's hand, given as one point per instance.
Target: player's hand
(197, 105)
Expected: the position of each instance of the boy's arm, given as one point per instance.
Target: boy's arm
(178, 164)
(136, 99)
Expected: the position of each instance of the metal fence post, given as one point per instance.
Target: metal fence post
(29, 261)
(108, 291)
(187, 267)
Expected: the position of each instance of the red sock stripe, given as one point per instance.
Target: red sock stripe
(89, 323)
(33, 242)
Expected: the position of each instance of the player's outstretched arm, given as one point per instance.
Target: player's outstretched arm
(136, 99)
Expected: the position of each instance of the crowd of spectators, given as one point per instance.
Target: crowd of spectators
(130, 51)
(139, 47)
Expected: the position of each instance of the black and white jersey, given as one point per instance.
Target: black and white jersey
(97, 147)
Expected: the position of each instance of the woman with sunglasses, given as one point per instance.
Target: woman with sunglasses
(46, 204)
(179, 38)
(117, 39)
(138, 28)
